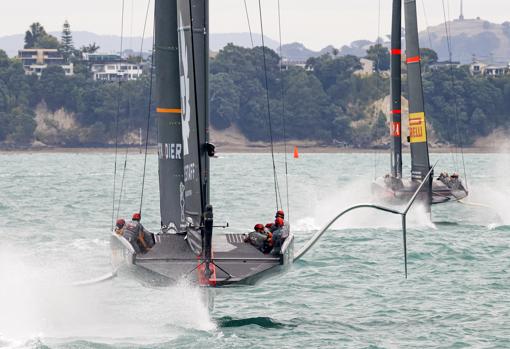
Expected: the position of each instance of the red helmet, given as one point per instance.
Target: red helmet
(258, 227)
(136, 216)
(279, 213)
(120, 223)
(279, 222)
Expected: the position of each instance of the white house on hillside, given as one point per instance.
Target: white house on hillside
(115, 71)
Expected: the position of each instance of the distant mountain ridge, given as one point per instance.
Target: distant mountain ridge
(470, 38)
(111, 43)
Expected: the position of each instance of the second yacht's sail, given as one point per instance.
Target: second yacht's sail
(420, 163)
(396, 90)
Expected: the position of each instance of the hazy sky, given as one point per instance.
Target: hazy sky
(316, 23)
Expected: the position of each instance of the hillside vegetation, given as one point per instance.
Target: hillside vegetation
(327, 103)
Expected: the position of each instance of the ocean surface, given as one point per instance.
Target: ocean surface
(349, 291)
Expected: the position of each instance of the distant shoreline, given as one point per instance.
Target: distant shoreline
(245, 150)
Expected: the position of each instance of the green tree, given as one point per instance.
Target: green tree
(428, 56)
(90, 48)
(48, 41)
(55, 88)
(224, 101)
(67, 46)
(33, 34)
(22, 125)
(36, 37)
(5, 121)
(331, 70)
(4, 59)
(380, 55)
(380, 127)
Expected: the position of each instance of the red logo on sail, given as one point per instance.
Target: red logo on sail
(395, 129)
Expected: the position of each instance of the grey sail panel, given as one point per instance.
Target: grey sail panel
(168, 109)
(200, 13)
(396, 90)
(420, 163)
(192, 31)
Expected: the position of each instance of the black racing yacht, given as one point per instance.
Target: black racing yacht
(186, 245)
(393, 187)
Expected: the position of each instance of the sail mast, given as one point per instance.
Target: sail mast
(194, 59)
(168, 98)
(396, 90)
(420, 163)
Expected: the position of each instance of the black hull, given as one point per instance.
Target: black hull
(235, 262)
(401, 194)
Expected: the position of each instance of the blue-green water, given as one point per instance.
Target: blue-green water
(349, 291)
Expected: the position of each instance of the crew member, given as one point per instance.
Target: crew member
(119, 226)
(260, 238)
(277, 230)
(272, 226)
(140, 238)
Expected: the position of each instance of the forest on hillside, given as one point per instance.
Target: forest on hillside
(326, 102)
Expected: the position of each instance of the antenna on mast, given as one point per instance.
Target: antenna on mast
(461, 18)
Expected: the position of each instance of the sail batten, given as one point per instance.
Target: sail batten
(420, 163)
(168, 98)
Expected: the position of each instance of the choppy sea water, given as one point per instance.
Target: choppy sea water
(349, 291)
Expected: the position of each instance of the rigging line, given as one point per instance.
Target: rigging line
(148, 122)
(117, 119)
(448, 44)
(143, 32)
(378, 41)
(131, 24)
(282, 84)
(377, 70)
(150, 97)
(426, 23)
(249, 25)
(268, 105)
(127, 148)
(455, 105)
(279, 198)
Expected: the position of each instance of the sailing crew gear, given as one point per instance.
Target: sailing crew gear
(140, 238)
(136, 216)
(280, 214)
(280, 233)
(261, 238)
(257, 239)
(120, 223)
(119, 226)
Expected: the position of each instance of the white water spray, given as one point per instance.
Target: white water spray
(38, 302)
(334, 198)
